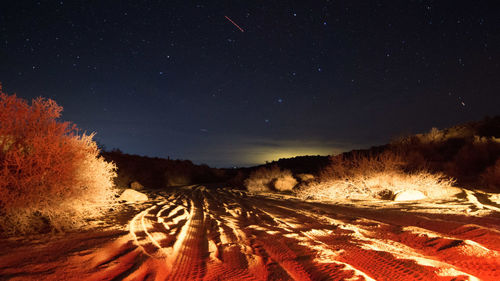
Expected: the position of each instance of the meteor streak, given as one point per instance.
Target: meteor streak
(241, 29)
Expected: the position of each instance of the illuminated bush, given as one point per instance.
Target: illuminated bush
(374, 176)
(285, 182)
(49, 174)
(270, 178)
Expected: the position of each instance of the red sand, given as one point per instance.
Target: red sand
(200, 234)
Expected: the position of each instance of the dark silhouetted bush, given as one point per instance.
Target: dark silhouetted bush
(491, 177)
(157, 173)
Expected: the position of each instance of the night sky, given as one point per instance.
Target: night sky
(179, 79)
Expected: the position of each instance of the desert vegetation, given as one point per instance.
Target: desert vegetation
(491, 176)
(51, 176)
(157, 173)
(370, 176)
(270, 179)
(467, 152)
(431, 164)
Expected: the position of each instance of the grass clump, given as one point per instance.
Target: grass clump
(270, 179)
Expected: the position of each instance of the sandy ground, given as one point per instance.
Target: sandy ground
(200, 234)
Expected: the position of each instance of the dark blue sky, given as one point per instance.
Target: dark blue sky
(178, 79)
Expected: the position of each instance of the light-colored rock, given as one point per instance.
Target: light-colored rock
(136, 185)
(132, 196)
(409, 195)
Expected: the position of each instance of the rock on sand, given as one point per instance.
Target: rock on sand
(409, 195)
(132, 196)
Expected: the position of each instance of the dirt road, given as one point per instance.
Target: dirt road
(202, 234)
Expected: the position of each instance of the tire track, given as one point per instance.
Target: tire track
(215, 234)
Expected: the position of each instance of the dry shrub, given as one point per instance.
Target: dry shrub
(347, 166)
(270, 178)
(434, 135)
(359, 176)
(439, 136)
(285, 182)
(50, 176)
(491, 177)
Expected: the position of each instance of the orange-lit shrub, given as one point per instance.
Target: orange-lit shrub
(360, 176)
(49, 174)
(270, 178)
